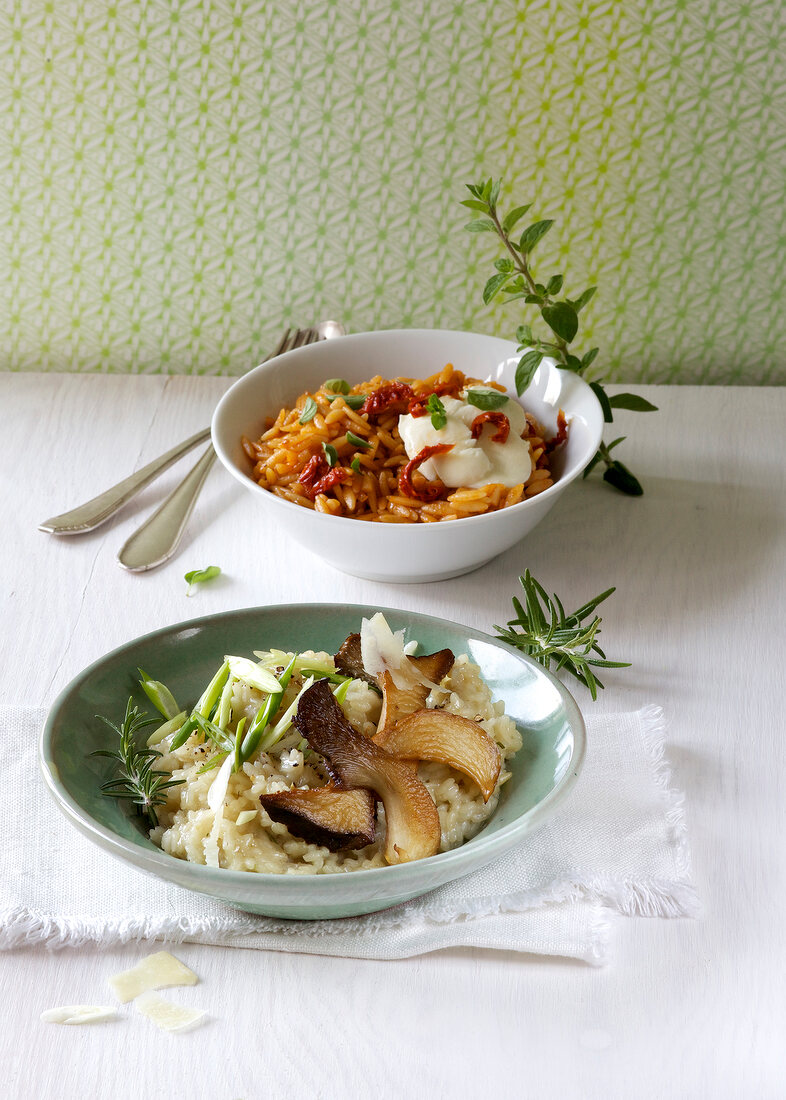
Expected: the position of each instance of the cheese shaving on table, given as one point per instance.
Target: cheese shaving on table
(78, 1014)
(157, 971)
(168, 1016)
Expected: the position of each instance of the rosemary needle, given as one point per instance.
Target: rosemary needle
(136, 778)
(543, 631)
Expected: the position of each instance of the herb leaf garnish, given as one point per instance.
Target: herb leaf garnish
(331, 454)
(199, 576)
(488, 400)
(354, 400)
(136, 778)
(543, 631)
(439, 417)
(310, 410)
(337, 386)
(515, 279)
(357, 441)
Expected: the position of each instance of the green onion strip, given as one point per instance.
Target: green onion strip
(266, 714)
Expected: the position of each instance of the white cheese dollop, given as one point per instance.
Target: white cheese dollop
(472, 463)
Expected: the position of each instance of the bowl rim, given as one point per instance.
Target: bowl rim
(156, 861)
(467, 522)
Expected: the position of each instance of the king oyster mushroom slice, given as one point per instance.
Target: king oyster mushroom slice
(349, 660)
(353, 760)
(327, 816)
(445, 738)
(398, 702)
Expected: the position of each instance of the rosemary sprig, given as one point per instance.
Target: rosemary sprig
(136, 779)
(515, 279)
(542, 630)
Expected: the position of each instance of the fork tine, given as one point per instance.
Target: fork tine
(283, 346)
(301, 338)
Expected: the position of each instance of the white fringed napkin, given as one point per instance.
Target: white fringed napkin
(618, 845)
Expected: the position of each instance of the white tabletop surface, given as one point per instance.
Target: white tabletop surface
(684, 1009)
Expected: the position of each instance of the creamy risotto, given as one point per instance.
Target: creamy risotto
(216, 815)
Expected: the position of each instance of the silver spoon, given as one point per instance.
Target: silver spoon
(159, 537)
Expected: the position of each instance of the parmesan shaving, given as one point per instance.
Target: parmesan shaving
(155, 972)
(168, 1016)
(245, 816)
(78, 1014)
(383, 651)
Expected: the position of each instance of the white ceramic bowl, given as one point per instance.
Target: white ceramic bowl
(405, 552)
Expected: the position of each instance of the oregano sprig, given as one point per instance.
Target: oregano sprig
(515, 279)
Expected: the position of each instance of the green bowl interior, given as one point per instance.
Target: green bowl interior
(186, 656)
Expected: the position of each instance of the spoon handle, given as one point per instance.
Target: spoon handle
(98, 510)
(158, 537)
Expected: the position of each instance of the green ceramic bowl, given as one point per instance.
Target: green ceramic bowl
(186, 656)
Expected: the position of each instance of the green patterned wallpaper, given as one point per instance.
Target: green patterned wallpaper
(182, 177)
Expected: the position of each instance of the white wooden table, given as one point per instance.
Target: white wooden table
(685, 1009)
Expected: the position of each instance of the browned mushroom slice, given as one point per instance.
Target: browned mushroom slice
(349, 660)
(352, 760)
(398, 702)
(448, 739)
(334, 818)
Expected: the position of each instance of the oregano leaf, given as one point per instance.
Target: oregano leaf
(561, 319)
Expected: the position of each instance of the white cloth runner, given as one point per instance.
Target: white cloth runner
(618, 845)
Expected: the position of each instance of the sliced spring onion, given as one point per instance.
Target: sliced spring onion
(238, 742)
(340, 693)
(220, 738)
(212, 692)
(224, 710)
(320, 673)
(252, 674)
(267, 713)
(208, 702)
(184, 732)
(355, 464)
(172, 726)
(213, 762)
(159, 695)
(285, 721)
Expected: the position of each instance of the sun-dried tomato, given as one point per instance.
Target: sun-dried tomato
(432, 489)
(331, 478)
(562, 432)
(313, 470)
(318, 477)
(498, 418)
(388, 397)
